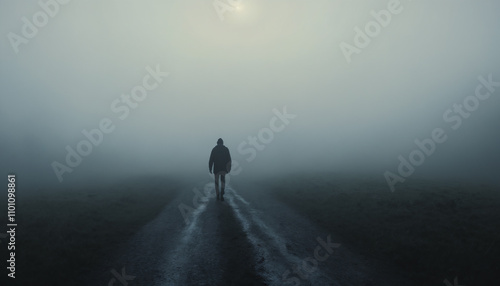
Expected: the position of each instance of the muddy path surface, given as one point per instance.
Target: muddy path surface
(248, 239)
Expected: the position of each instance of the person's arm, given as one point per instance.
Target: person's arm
(228, 165)
(211, 162)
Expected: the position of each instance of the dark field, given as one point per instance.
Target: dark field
(429, 230)
(63, 236)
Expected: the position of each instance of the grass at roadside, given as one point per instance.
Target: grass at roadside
(431, 231)
(63, 236)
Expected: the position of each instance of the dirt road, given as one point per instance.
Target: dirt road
(249, 239)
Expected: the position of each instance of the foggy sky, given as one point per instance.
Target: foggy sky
(226, 78)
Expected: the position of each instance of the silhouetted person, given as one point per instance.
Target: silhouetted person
(220, 160)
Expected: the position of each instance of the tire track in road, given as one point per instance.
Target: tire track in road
(178, 261)
(271, 253)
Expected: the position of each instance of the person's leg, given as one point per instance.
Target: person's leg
(223, 183)
(216, 176)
